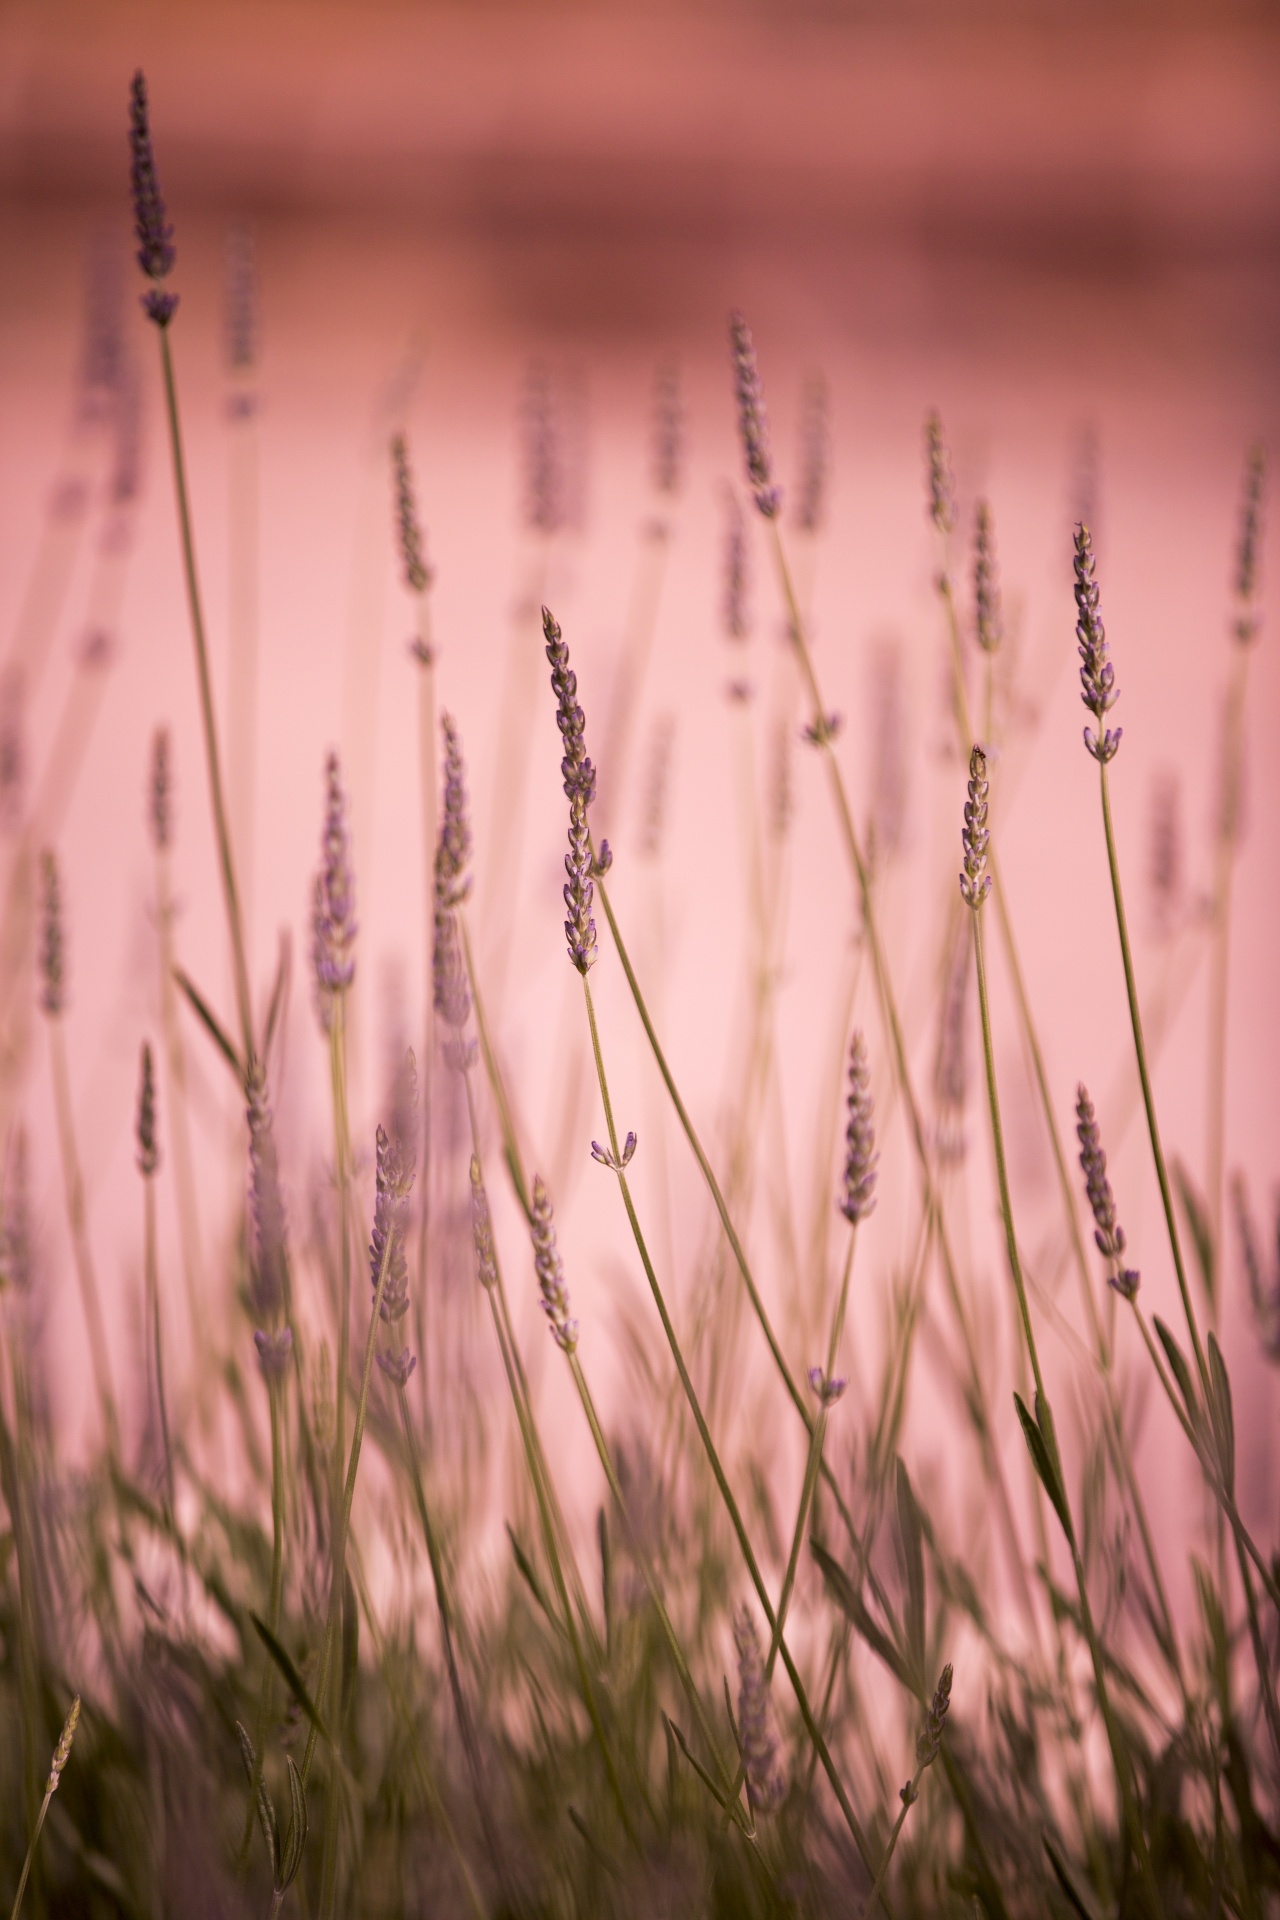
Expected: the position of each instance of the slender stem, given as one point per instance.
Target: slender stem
(31, 1854)
(153, 1321)
(221, 830)
(882, 1871)
(1119, 1756)
(427, 774)
(74, 1185)
(179, 1114)
(1220, 954)
(342, 1164)
(1148, 1098)
(275, 1387)
(713, 1457)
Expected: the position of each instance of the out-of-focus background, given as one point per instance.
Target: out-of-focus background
(1059, 225)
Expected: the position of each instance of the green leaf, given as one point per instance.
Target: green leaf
(1181, 1372)
(292, 1678)
(674, 1732)
(212, 1025)
(530, 1578)
(266, 1812)
(850, 1603)
(910, 1543)
(1215, 1626)
(298, 1824)
(1224, 1426)
(279, 992)
(1198, 1220)
(1043, 1462)
(1066, 1879)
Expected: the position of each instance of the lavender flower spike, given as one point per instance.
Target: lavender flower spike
(482, 1230)
(333, 920)
(986, 581)
(580, 787)
(752, 420)
(160, 792)
(1249, 548)
(386, 1246)
(148, 1147)
(417, 574)
(858, 1196)
(275, 1350)
(975, 881)
(453, 856)
(155, 235)
(1107, 1230)
(53, 985)
(550, 1270)
(765, 1786)
(268, 1281)
(942, 495)
(1097, 675)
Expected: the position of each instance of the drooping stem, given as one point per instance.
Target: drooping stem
(226, 859)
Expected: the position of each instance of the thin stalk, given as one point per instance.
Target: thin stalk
(61, 1754)
(909, 1798)
(1119, 1756)
(222, 833)
(1220, 955)
(713, 1457)
(342, 1169)
(637, 645)
(242, 676)
(179, 1112)
(74, 1186)
(1148, 1098)
(653, 1585)
(153, 1323)
(275, 1389)
(462, 1712)
(427, 771)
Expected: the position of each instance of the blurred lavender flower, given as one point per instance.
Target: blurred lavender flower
(155, 235)
(889, 760)
(1097, 675)
(815, 454)
(975, 881)
(1250, 541)
(12, 748)
(15, 1236)
(482, 1230)
(268, 1287)
(827, 1391)
(858, 1195)
(753, 421)
(988, 614)
(544, 458)
(417, 574)
(550, 1270)
(1107, 1230)
(929, 1743)
(333, 921)
(160, 792)
(765, 1785)
(942, 493)
(453, 855)
(53, 985)
(395, 1168)
(241, 305)
(668, 428)
(1165, 853)
(580, 786)
(737, 569)
(275, 1349)
(657, 786)
(148, 1146)
(1264, 1283)
(950, 1072)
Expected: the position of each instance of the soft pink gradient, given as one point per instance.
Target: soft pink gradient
(1049, 234)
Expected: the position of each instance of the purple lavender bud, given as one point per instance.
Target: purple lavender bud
(858, 1197)
(398, 1366)
(1165, 853)
(942, 493)
(15, 1236)
(737, 567)
(827, 1390)
(550, 1270)
(155, 235)
(753, 421)
(453, 855)
(242, 305)
(160, 791)
(989, 618)
(417, 574)
(815, 454)
(275, 1348)
(386, 1245)
(1097, 675)
(975, 881)
(333, 921)
(482, 1230)
(930, 1740)
(148, 1147)
(1250, 541)
(950, 1072)
(268, 1282)
(580, 786)
(53, 984)
(765, 1785)
(1107, 1230)
(668, 428)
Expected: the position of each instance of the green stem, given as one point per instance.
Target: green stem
(1148, 1098)
(713, 1457)
(153, 1321)
(274, 1390)
(221, 830)
(1119, 1757)
(1220, 954)
(73, 1183)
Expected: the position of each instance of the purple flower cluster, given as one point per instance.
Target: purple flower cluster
(1097, 675)
(942, 493)
(333, 920)
(395, 1169)
(753, 422)
(53, 982)
(989, 619)
(550, 1270)
(155, 235)
(580, 789)
(765, 1785)
(450, 991)
(148, 1147)
(417, 574)
(1107, 1230)
(975, 881)
(858, 1193)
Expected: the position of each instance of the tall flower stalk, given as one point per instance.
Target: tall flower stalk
(148, 1157)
